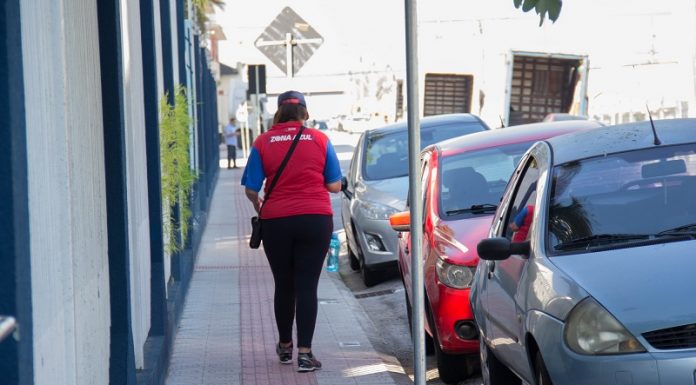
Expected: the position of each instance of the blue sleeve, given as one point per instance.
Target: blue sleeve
(253, 175)
(332, 169)
(519, 218)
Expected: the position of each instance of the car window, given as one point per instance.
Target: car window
(477, 178)
(425, 173)
(354, 164)
(519, 217)
(623, 198)
(386, 153)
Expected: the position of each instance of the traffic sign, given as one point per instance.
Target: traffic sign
(289, 41)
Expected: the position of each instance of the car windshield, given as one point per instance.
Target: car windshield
(386, 154)
(624, 199)
(472, 183)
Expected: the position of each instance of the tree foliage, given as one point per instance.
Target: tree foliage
(177, 176)
(552, 8)
(203, 8)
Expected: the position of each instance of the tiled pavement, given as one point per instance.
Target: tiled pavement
(227, 332)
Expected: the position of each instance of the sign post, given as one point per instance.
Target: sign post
(289, 41)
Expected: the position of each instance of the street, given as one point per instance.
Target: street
(384, 303)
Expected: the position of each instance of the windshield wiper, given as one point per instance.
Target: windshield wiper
(689, 229)
(477, 209)
(600, 238)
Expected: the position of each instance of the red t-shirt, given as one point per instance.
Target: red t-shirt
(301, 188)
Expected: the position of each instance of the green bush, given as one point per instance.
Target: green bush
(177, 175)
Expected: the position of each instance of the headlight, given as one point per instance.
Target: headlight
(591, 329)
(454, 276)
(376, 211)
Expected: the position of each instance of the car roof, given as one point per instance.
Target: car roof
(512, 134)
(620, 138)
(430, 121)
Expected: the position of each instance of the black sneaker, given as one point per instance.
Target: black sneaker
(284, 354)
(307, 363)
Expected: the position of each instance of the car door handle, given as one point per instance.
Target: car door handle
(406, 249)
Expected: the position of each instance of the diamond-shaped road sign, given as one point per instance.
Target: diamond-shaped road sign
(289, 41)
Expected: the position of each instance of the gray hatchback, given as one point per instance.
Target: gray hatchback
(377, 184)
(588, 277)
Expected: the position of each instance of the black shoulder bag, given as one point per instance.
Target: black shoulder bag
(255, 240)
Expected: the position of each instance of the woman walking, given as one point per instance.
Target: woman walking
(297, 218)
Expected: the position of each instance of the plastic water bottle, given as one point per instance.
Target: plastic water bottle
(334, 248)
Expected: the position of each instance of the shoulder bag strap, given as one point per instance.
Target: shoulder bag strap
(282, 167)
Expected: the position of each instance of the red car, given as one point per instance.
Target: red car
(463, 181)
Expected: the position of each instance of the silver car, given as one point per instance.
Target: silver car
(588, 277)
(377, 184)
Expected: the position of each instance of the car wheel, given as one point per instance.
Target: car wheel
(354, 261)
(493, 372)
(370, 276)
(542, 374)
(429, 349)
(454, 368)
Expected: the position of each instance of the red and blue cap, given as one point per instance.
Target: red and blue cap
(292, 97)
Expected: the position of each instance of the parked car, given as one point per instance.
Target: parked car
(319, 124)
(594, 283)
(376, 185)
(463, 181)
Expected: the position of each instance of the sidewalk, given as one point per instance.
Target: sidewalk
(227, 333)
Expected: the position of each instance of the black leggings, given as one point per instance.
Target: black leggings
(296, 247)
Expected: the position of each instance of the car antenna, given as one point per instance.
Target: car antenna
(652, 124)
(502, 124)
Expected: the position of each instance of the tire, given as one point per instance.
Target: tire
(493, 372)
(542, 375)
(429, 349)
(454, 368)
(370, 276)
(354, 261)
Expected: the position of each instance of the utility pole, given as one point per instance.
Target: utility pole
(258, 102)
(414, 180)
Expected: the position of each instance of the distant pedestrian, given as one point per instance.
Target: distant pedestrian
(297, 219)
(231, 139)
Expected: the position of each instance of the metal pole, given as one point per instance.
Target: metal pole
(245, 139)
(258, 102)
(415, 192)
(288, 55)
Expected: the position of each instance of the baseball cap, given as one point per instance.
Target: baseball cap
(292, 97)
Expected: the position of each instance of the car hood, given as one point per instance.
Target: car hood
(391, 192)
(459, 238)
(646, 288)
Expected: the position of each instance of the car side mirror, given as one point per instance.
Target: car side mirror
(498, 249)
(401, 221)
(344, 188)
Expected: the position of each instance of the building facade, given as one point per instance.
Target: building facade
(89, 294)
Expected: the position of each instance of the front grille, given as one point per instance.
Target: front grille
(680, 337)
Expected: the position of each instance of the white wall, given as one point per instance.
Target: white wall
(160, 95)
(70, 288)
(175, 46)
(138, 220)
